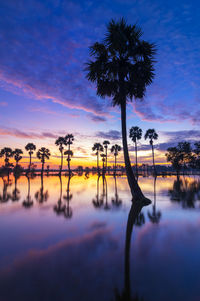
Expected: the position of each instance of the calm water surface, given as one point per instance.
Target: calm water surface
(81, 239)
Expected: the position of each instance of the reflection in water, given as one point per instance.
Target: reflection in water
(68, 210)
(16, 193)
(132, 217)
(185, 192)
(155, 215)
(97, 202)
(40, 195)
(105, 193)
(28, 202)
(5, 196)
(59, 208)
(116, 202)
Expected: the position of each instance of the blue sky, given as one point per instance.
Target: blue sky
(43, 90)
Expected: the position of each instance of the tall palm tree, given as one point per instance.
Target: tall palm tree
(151, 135)
(17, 155)
(30, 148)
(135, 134)
(115, 149)
(69, 138)
(60, 142)
(7, 153)
(105, 145)
(122, 68)
(69, 154)
(98, 148)
(42, 155)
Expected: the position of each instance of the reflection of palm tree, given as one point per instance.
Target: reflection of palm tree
(40, 195)
(185, 192)
(28, 202)
(68, 211)
(155, 216)
(105, 193)
(132, 217)
(116, 201)
(5, 196)
(16, 193)
(30, 148)
(151, 135)
(98, 148)
(59, 208)
(97, 202)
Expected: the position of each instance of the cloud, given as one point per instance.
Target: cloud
(21, 134)
(112, 135)
(96, 118)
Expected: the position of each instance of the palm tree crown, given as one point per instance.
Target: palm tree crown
(30, 147)
(116, 149)
(97, 147)
(135, 133)
(151, 135)
(17, 155)
(7, 153)
(43, 154)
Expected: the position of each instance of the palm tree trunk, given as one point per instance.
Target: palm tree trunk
(30, 163)
(61, 164)
(136, 159)
(135, 189)
(42, 168)
(153, 159)
(115, 164)
(98, 162)
(106, 158)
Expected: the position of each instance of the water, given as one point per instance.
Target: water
(65, 240)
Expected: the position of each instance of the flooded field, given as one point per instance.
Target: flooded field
(82, 239)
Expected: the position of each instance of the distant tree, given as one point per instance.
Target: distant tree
(135, 134)
(30, 148)
(60, 142)
(105, 145)
(7, 153)
(69, 154)
(115, 149)
(98, 148)
(151, 135)
(17, 155)
(195, 159)
(42, 155)
(175, 157)
(122, 68)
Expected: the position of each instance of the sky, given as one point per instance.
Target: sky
(44, 93)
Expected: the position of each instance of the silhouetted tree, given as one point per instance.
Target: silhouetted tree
(42, 155)
(175, 157)
(103, 156)
(60, 142)
(135, 134)
(98, 148)
(7, 153)
(17, 155)
(115, 149)
(30, 148)
(151, 135)
(105, 145)
(122, 69)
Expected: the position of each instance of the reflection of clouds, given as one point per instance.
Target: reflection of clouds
(68, 270)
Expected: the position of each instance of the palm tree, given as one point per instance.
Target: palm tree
(17, 155)
(103, 156)
(42, 155)
(105, 145)
(115, 149)
(151, 135)
(122, 69)
(135, 134)
(69, 154)
(60, 142)
(98, 148)
(30, 148)
(7, 153)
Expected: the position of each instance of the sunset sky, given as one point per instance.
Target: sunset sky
(44, 93)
